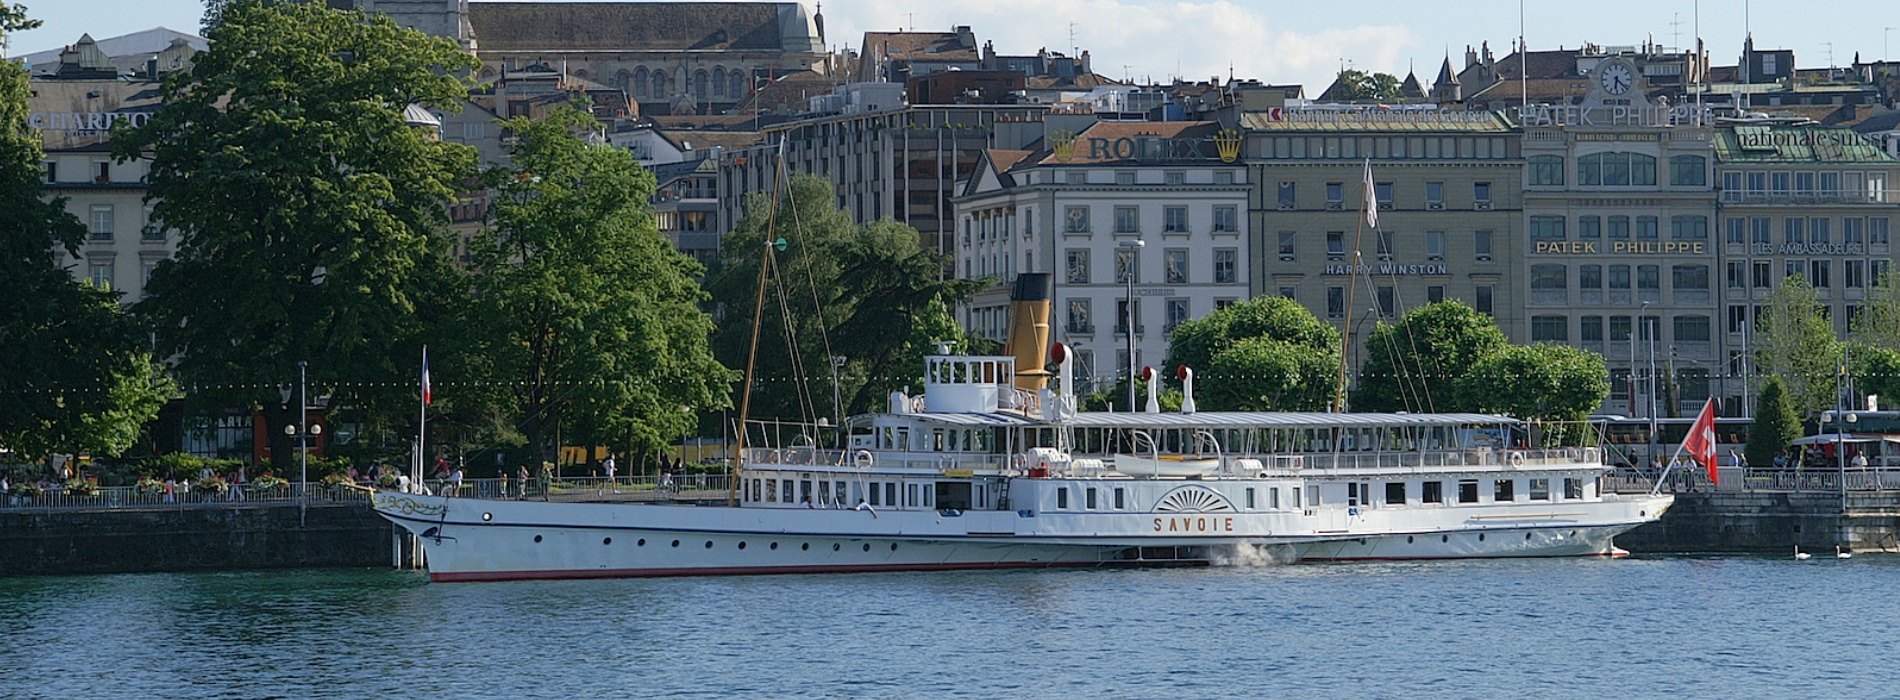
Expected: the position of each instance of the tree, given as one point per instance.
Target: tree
(1876, 371)
(311, 217)
(1776, 424)
(584, 310)
(1878, 324)
(1797, 344)
(1425, 362)
(1542, 382)
(76, 378)
(1360, 86)
(1267, 353)
(835, 289)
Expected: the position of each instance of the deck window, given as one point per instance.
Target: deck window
(1062, 498)
(1250, 500)
(1395, 493)
(874, 495)
(890, 493)
(1121, 498)
(1468, 491)
(1273, 498)
(1573, 488)
(1504, 491)
(1090, 498)
(1432, 492)
(1296, 497)
(1540, 489)
(1312, 497)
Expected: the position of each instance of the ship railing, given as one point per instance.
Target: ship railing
(796, 457)
(1441, 459)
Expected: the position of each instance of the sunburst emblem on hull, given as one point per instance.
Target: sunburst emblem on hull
(1194, 499)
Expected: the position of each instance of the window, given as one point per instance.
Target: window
(1758, 230)
(1382, 192)
(1288, 241)
(1737, 275)
(52, 170)
(1076, 266)
(1817, 231)
(1590, 329)
(1646, 228)
(1121, 325)
(1088, 498)
(1616, 169)
(1127, 266)
(1504, 490)
(1547, 228)
(1335, 195)
(1075, 219)
(1690, 228)
(1224, 177)
(1174, 219)
(102, 171)
(1287, 192)
(1177, 313)
(1335, 245)
(1435, 245)
(1226, 219)
(1854, 273)
(1386, 297)
(1226, 265)
(1431, 492)
(1820, 273)
(1877, 230)
(1335, 302)
(1540, 489)
(1174, 265)
(1062, 497)
(1481, 298)
(1794, 230)
(1692, 329)
(1468, 491)
(1763, 275)
(1287, 292)
(1737, 318)
(1550, 276)
(1573, 488)
(1589, 276)
(1434, 195)
(1554, 329)
(101, 229)
(1076, 177)
(1434, 294)
(1619, 277)
(1384, 242)
(1395, 493)
(99, 274)
(1694, 277)
(1589, 228)
(1619, 329)
(1688, 171)
(1481, 193)
(1081, 320)
(1804, 183)
(1547, 170)
(1649, 277)
(1778, 184)
(1481, 242)
(1619, 227)
(1174, 177)
(1121, 498)
(1853, 231)
(1127, 219)
(1124, 177)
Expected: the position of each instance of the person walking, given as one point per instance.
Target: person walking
(521, 475)
(609, 467)
(455, 482)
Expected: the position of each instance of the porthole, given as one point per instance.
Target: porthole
(676, 543)
(709, 544)
(867, 546)
(606, 540)
(1527, 537)
(1480, 537)
(805, 547)
(641, 543)
(487, 517)
(775, 546)
(537, 538)
(742, 545)
(1573, 533)
(1408, 539)
(835, 546)
(1444, 538)
(893, 546)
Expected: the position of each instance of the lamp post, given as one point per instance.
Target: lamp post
(1134, 264)
(303, 432)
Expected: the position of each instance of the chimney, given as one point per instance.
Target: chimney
(965, 37)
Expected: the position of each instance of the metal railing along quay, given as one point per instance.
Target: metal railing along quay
(133, 498)
(657, 489)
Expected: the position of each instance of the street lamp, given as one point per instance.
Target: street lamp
(1134, 264)
(302, 432)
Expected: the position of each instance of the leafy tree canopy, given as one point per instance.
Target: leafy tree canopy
(1267, 353)
(1360, 86)
(1797, 344)
(1425, 362)
(1542, 382)
(1776, 425)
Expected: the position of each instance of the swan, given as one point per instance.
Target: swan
(1843, 553)
(1799, 555)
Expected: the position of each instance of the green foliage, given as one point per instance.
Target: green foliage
(1776, 426)
(585, 312)
(311, 217)
(1115, 398)
(178, 463)
(77, 378)
(1876, 371)
(1360, 86)
(1878, 324)
(837, 290)
(1544, 382)
(1425, 362)
(1797, 344)
(1263, 354)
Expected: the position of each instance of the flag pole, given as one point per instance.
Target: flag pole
(422, 426)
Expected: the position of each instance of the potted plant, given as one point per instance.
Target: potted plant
(216, 485)
(148, 486)
(82, 486)
(269, 484)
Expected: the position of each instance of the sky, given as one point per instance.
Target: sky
(1275, 41)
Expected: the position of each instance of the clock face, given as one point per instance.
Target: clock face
(1616, 78)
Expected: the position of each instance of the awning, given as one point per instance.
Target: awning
(1829, 438)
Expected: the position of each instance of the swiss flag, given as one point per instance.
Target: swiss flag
(1700, 444)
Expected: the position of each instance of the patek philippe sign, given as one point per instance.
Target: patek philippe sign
(1614, 115)
(1810, 249)
(1620, 247)
(84, 123)
(1389, 269)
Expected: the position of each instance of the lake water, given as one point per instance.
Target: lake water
(1640, 627)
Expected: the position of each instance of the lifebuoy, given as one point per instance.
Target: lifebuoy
(1515, 458)
(864, 459)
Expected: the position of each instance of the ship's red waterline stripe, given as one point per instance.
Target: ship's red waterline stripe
(461, 576)
(1618, 554)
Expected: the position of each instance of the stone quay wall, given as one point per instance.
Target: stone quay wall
(196, 538)
(1770, 522)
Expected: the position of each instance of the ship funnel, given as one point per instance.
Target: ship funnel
(1029, 330)
(1149, 375)
(1187, 388)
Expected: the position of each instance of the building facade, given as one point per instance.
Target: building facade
(1145, 212)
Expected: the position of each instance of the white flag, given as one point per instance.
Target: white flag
(1372, 199)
